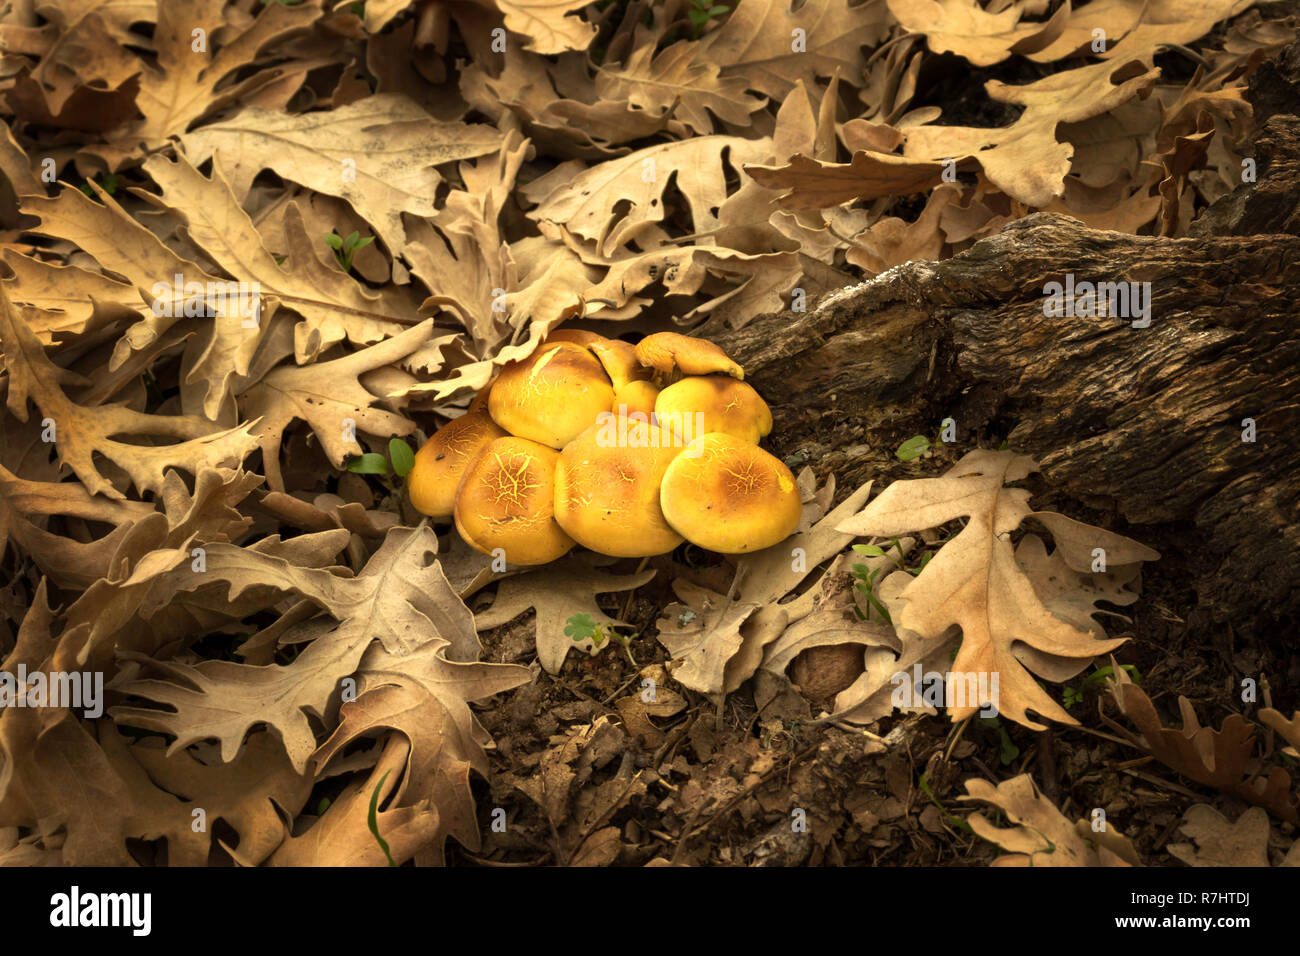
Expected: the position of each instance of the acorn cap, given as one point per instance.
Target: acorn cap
(607, 489)
(551, 396)
(638, 396)
(722, 404)
(507, 500)
(666, 351)
(442, 460)
(729, 496)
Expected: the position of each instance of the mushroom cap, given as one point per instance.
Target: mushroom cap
(507, 500)
(607, 489)
(618, 358)
(666, 351)
(637, 396)
(442, 460)
(729, 496)
(551, 396)
(723, 404)
(574, 337)
(480, 401)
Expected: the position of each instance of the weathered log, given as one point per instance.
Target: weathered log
(1146, 422)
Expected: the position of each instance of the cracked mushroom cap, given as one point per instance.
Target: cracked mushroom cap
(507, 500)
(442, 460)
(729, 496)
(607, 488)
(722, 404)
(551, 396)
(666, 351)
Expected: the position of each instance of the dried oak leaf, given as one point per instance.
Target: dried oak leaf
(1042, 836)
(974, 582)
(82, 431)
(558, 591)
(328, 395)
(400, 598)
(387, 143)
(334, 306)
(342, 836)
(1217, 758)
(718, 641)
(187, 81)
(424, 695)
(1220, 842)
(86, 778)
(983, 38)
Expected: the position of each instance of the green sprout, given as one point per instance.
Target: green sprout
(106, 181)
(372, 463)
(1075, 695)
(866, 579)
(703, 11)
(913, 448)
(580, 627)
(345, 249)
(1007, 749)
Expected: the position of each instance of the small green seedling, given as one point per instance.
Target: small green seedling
(345, 249)
(866, 579)
(1075, 695)
(580, 627)
(373, 463)
(913, 448)
(954, 820)
(1007, 749)
(106, 181)
(703, 11)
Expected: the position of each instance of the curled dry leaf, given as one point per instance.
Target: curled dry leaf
(975, 583)
(1217, 841)
(1218, 758)
(1041, 835)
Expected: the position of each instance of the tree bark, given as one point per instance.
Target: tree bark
(1143, 424)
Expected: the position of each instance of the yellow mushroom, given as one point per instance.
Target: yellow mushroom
(669, 351)
(714, 403)
(551, 396)
(727, 495)
(507, 500)
(442, 460)
(607, 488)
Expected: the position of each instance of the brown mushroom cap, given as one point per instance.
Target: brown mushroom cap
(722, 404)
(607, 492)
(666, 351)
(551, 396)
(441, 462)
(507, 500)
(729, 496)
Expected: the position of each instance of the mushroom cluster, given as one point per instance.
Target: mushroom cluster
(625, 450)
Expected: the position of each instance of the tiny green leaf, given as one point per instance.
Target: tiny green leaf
(870, 550)
(369, 464)
(400, 454)
(334, 242)
(913, 448)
